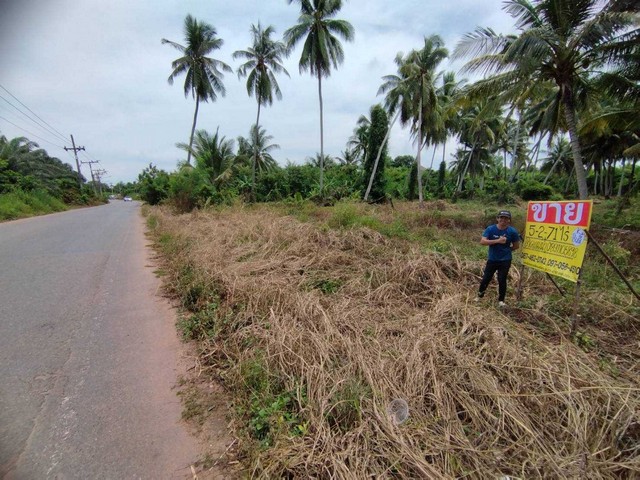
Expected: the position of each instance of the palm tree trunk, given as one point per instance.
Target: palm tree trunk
(515, 164)
(504, 161)
(375, 164)
(193, 129)
(570, 116)
(255, 155)
(546, 179)
(537, 149)
(466, 168)
(321, 138)
(418, 162)
(433, 157)
(612, 180)
(444, 148)
(631, 174)
(621, 179)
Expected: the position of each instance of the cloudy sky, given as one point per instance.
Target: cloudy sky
(97, 69)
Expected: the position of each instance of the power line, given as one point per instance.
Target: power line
(1, 86)
(34, 121)
(89, 156)
(30, 133)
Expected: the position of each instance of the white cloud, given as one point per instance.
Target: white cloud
(98, 70)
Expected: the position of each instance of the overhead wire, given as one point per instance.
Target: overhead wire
(53, 130)
(37, 124)
(31, 133)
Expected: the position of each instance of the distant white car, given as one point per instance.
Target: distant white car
(127, 199)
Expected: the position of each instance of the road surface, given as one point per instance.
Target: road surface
(89, 353)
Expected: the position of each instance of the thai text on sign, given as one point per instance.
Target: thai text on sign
(555, 237)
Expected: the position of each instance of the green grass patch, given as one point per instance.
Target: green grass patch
(20, 204)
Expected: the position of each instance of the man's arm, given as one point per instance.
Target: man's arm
(485, 241)
(515, 245)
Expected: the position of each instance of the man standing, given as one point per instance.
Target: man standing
(501, 239)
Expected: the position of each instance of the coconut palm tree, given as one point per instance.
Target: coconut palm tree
(213, 155)
(479, 126)
(203, 78)
(263, 61)
(561, 42)
(322, 49)
(359, 140)
(348, 157)
(558, 158)
(419, 72)
(397, 102)
(260, 147)
(448, 94)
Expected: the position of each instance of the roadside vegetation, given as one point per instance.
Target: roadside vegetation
(34, 183)
(315, 319)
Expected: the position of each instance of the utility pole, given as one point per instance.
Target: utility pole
(75, 152)
(93, 180)
(98, 173)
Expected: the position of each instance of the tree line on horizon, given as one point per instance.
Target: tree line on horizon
(556, 113)
(567, 81)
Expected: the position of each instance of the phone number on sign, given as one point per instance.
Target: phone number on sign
(551, 263)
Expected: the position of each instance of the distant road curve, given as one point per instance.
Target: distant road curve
(88, 353)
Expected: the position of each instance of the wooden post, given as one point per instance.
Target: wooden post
(555, 284)
(576, 302)
(520, 283)
(617, 270)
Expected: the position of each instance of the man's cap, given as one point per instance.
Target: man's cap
(504, 213)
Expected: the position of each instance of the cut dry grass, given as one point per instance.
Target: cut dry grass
(316, 331)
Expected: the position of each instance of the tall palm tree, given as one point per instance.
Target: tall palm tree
(322, 49)
(263, 61)
(448, 93)
(203, 78)
(397, 102)
(419, 72)
(562, 42)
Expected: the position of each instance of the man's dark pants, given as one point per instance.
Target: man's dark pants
(503, 271)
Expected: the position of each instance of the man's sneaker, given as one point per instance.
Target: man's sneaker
(502, 304)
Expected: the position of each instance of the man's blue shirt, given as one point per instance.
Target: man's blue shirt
(501, 252)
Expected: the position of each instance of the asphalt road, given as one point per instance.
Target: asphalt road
(89, 353)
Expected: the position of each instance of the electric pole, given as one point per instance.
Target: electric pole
(93, 180)
(75, 152)
(98, 173)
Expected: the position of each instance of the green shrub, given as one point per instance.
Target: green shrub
(535, 191)
(18, 204)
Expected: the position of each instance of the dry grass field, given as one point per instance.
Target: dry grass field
(315, 320)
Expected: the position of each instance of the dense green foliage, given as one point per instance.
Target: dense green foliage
(375, 156)
(33, 183)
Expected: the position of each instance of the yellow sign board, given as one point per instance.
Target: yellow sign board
(555, 238)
